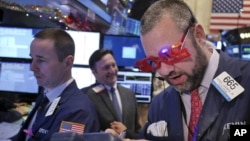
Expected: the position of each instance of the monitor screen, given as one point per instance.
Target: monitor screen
(245, 51)
(16, 77)
(15, 41)
(233, 51)
(139, 82)
(85, 44)
(83, 76)
(127, 49)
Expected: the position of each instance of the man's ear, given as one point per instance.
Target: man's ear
(93, 71)
(68, 61)
(199, 34)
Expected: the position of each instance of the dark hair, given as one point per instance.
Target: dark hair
(97, 55)
(63, 43)
(178, 10)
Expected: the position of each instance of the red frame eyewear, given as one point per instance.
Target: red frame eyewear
(169, 55)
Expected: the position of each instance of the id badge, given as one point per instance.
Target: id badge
(227, 86)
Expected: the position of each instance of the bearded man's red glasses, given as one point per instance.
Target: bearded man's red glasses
(168, 54)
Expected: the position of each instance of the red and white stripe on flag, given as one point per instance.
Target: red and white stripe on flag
(229, 14)
(67, 126)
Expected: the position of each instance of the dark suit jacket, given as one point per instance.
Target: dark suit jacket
(217, 114)
(106, 111)
(73, 106)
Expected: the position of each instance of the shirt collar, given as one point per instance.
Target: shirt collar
(57, 91)
(109, 87)
(211, 69)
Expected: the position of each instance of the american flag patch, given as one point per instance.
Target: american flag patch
(67, 126)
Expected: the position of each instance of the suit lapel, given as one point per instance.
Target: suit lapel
(173, 111)
(214, 101)
(105, 97)
(211, 109)
(33, 111)
(22, 135)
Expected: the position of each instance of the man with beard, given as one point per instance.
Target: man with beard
(124, 121)
(176, 47)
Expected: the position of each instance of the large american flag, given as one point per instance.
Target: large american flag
(229, 14)
(71, 127)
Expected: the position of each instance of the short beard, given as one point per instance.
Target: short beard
(194, 79)
(199, 69)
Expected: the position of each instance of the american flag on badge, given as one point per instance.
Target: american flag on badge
(71, 127)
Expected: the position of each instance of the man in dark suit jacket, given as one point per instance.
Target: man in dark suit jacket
(176, 47)
(217, 115)
(67, 109)
(105, 70)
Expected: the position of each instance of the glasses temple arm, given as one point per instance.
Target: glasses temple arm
(184, 38)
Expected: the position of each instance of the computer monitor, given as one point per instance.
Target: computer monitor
(127, 49)
(139, 82)
(245, 51)
(83, 76)
(85, 44)
(17, 80)
(233, 51)
(15, 41)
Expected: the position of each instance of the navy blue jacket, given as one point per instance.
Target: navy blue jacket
(73, 106)
(217, 114)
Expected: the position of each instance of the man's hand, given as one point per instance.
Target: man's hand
(118, 126)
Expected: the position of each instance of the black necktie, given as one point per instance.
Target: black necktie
(44, 102)
(40, 113)
(116, 104)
